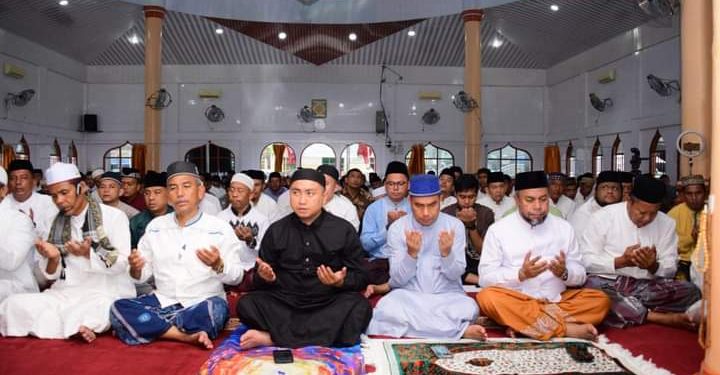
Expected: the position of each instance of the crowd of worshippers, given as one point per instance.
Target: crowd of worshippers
(152, 256)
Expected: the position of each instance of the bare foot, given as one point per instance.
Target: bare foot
(254, 338)
(476, 332)
(581, 331)
(510, 332)
(200, 339)
(677, 320)
(379, 289)
(86, 334)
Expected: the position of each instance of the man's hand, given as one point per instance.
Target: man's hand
(446, 241)
(136, 262)
(211, 257)
(646, 258)
(557, 265)
(265, 271)
(81, 249)
(531, 267)
(394, 215)
(330, 278)
(244, 233)
(468, 216)
(413, 239)
(626, 260)
(47, 250)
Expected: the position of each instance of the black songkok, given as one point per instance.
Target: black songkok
(19, 165)
(397, 167)
(495, 177)
(308, 174)
(330, 171)
(626, 177)
(255, 174)
(154, 179)
(648, 189)
(530, 180)
(608, 176)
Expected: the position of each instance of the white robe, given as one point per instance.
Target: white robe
(84, 297)
(508, 241)
(266, 205)
(210, 205)
(580, 218)
(566, 206)
(449, 201)
(505, 205)
(610, 231)
(253, 217)
(42, 207)
(16, 251)
(427, 299)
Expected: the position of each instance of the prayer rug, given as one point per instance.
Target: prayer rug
(229, 358)
(510, 356)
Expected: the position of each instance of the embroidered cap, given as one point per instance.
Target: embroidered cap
(697, 179)
(556, 176)
(61, 172)
(182, 168)
(243, 179)
(424, 185)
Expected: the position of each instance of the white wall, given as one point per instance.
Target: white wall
(638, 112)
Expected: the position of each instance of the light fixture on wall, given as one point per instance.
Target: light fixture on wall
(214, 114)
(600, 104)
(160, 99)
(464, 102)
(431, 117)
(664, 87)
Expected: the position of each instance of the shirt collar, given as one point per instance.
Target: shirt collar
(192, 221)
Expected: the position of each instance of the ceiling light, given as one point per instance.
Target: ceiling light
(282, 35)
(63, 2)
(352, 37)
(637, 53)
(411, 32)
(497, 43)
(554, 7)
(219, 31)
(134, 39)
(341, 105)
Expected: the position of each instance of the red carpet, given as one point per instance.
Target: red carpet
(669, 348)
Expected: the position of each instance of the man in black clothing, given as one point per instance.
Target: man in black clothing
(309, 275)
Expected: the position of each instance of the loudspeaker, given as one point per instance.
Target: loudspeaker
(89, 123)
(379, 122)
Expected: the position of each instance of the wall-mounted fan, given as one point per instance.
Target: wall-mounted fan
(214, 113)
(160, 99)
(464, 102)
(431, 117)
(664, 87)
(19, 99)
(600, 104)
(661, 11)
(306, 114)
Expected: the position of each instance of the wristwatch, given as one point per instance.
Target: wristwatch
(220, 267)
(564, 275)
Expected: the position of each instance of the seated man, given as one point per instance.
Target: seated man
(447, 186)
(249, 224)
(16, 251)
(261, 201)
(111, 189)
(86, 256)
(23, 197)
(477, 218)
(156, 205)
(630, 251)
(190, 254)
(687, 221)
(427, 259)
(608, 190)
(495, 199)
(308, 276)
(132, 188)
(556, 191)
(529, 259)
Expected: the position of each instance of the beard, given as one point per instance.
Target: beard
(534, 222)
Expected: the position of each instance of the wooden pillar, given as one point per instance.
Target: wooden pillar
(153, 77)
(711, 364)
(695, 40)
(474, 155)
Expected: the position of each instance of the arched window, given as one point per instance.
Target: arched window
(618, 156)
(212, 159)
(357, 155)
(509, 160)
(55, 153)
(317, 154)
(436, 158)
(289, 160)
(658, 161)
(22, 150)
(570, 160)
(72, 153)
(7, 154)
(597, 157)
(117, 158)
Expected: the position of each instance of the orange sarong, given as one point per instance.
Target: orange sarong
(540, 319)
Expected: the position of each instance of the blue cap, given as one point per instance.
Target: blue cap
(424, 185)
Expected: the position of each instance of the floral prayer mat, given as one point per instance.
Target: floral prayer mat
(229, 358)
(503, 357)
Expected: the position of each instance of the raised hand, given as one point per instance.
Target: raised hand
(330, 278)
(645, 257)
(81, 249)
(47, 250)
(627, 259)
(394, 215)
(531, 267)
(265, 271)
(244, 233)
(557, 265)
(211, 257)
(467, 215)
(446, 241)
(413, 239)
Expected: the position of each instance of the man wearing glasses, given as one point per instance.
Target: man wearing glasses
(607, 191)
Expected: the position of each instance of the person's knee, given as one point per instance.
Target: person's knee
(486, 299)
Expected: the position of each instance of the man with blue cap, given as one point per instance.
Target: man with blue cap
(427, 261)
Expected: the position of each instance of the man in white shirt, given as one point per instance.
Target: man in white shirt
(556, 190)
(496, 199)
(191, 255)
(334, 202)
(86, 257)
(585, 182)
(608, 190)
(110, 191)
(3, 183)
(630, 251)
(249, 224)
(16, 251)
(447, 183)
(261, 201)
(23, 198)
(529, 260)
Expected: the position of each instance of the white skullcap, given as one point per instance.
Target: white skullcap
(97, 173)
(3, 176)
(378, 192)
(243, 179)
(61, 172)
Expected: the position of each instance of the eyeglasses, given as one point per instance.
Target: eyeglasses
(395, 184)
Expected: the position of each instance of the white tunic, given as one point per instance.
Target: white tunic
(580, 200)
(252, 219)
(16, 251)
(566, 206)
(339, 206)
(84, 297)
(508, 241)
(266, 206)
(427, 298)
(449, 201)
(210, 205)
(42, 207)
(610, 231)
(505, 205)
(580, 218)
(180, 276)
